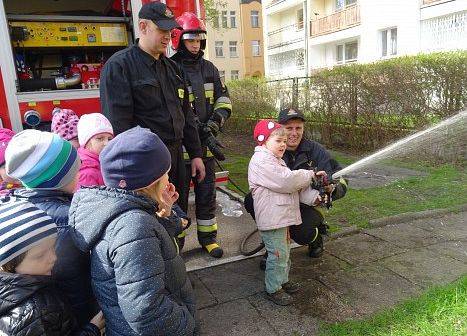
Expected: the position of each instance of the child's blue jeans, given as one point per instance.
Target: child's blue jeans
(277, 244)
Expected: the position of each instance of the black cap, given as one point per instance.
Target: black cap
(160, 14)
(289, 113)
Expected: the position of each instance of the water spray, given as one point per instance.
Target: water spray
(414, 140)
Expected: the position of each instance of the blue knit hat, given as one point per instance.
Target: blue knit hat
(41, 160)
(22, 226)
(134, 159)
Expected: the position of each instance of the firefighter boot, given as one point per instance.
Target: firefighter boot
(315, 247)
(207, 234)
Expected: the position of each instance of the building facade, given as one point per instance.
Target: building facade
(347, 31)
(224, 41)
(252, 29)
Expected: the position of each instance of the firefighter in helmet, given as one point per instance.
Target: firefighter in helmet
(212, 106)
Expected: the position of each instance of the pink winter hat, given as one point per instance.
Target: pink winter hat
(5, 137)
(64, 123)
(92, 124)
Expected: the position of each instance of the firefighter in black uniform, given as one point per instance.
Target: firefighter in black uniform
(212, 107)
(140, 86)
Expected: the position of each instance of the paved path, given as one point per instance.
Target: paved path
(357, 276)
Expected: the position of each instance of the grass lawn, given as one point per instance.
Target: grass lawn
(443, 187)
(442, 311)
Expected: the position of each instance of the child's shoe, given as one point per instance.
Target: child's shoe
(280, 298)
(291, 287)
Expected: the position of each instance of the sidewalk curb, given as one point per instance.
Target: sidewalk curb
(410, 216)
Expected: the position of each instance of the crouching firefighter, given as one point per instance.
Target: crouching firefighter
(302, 153)
(212, 106)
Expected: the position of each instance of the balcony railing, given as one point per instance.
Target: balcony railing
(427, 2)
(286, 35)
(274, 2)
(346, 18)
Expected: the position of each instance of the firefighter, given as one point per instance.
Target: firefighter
(212, 106)
(303, 153)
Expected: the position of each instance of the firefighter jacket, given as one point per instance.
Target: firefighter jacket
(138, 90)
(207, 93)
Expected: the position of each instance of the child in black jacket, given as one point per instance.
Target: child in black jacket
(29, 302)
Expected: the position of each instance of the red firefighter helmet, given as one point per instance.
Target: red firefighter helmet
(190, 28)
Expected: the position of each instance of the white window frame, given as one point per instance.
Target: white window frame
(342, 4)
(224, 19)
(256, 48)
(234, 76)
(254, 17)
(388, 42)
(219, 49)
(343, 52)
(233, 19)
(233, 49)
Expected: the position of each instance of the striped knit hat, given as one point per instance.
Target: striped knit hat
(22, 226)
(41, 160)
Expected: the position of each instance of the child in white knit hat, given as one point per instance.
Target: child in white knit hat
(94, 132)
(31, 303)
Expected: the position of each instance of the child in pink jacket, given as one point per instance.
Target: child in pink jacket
(94, 132)
(277, 192)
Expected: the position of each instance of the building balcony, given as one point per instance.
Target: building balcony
(286, 35)
(343, 19)
(277, 6)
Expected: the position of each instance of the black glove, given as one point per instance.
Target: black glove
(215, 147)
(214, 127)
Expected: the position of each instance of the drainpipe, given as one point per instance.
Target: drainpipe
(305, 18)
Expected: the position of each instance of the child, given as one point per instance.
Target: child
(94, 132)
(276, 194)
(30, 304)
(7, 184)
(138, 277)
(65, 124)
(48, 166)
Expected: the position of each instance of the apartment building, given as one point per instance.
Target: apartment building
(224, 44)
(346, 31)
(235, 40)
(285, 36)
(252, 31)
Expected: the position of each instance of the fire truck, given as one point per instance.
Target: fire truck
(52, 52)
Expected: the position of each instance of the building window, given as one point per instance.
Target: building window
(254, 19)
(233, 48)
(340, 4)
(233, 20)
(234, 74)
(222, 75)
(215, 21)
(347, 52)
(389, 42)
(255, 48)
(219, 46)
(300, 19)
(224, 19)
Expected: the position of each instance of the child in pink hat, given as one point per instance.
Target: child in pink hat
(277, 192)
(65, 124)
(7, 183)
(94, 132)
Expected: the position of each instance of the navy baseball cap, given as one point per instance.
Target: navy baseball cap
(160, 14)
(288, 114)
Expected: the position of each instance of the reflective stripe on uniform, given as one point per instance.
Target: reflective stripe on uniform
(211, 247)
(181, 93)
(207, 229)
(209, 86)
(343, 181)
(182, 235)
(187, 157)
(223, 103)
(191, 96)
(316, 235)
(206, 222)
(209, 92)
